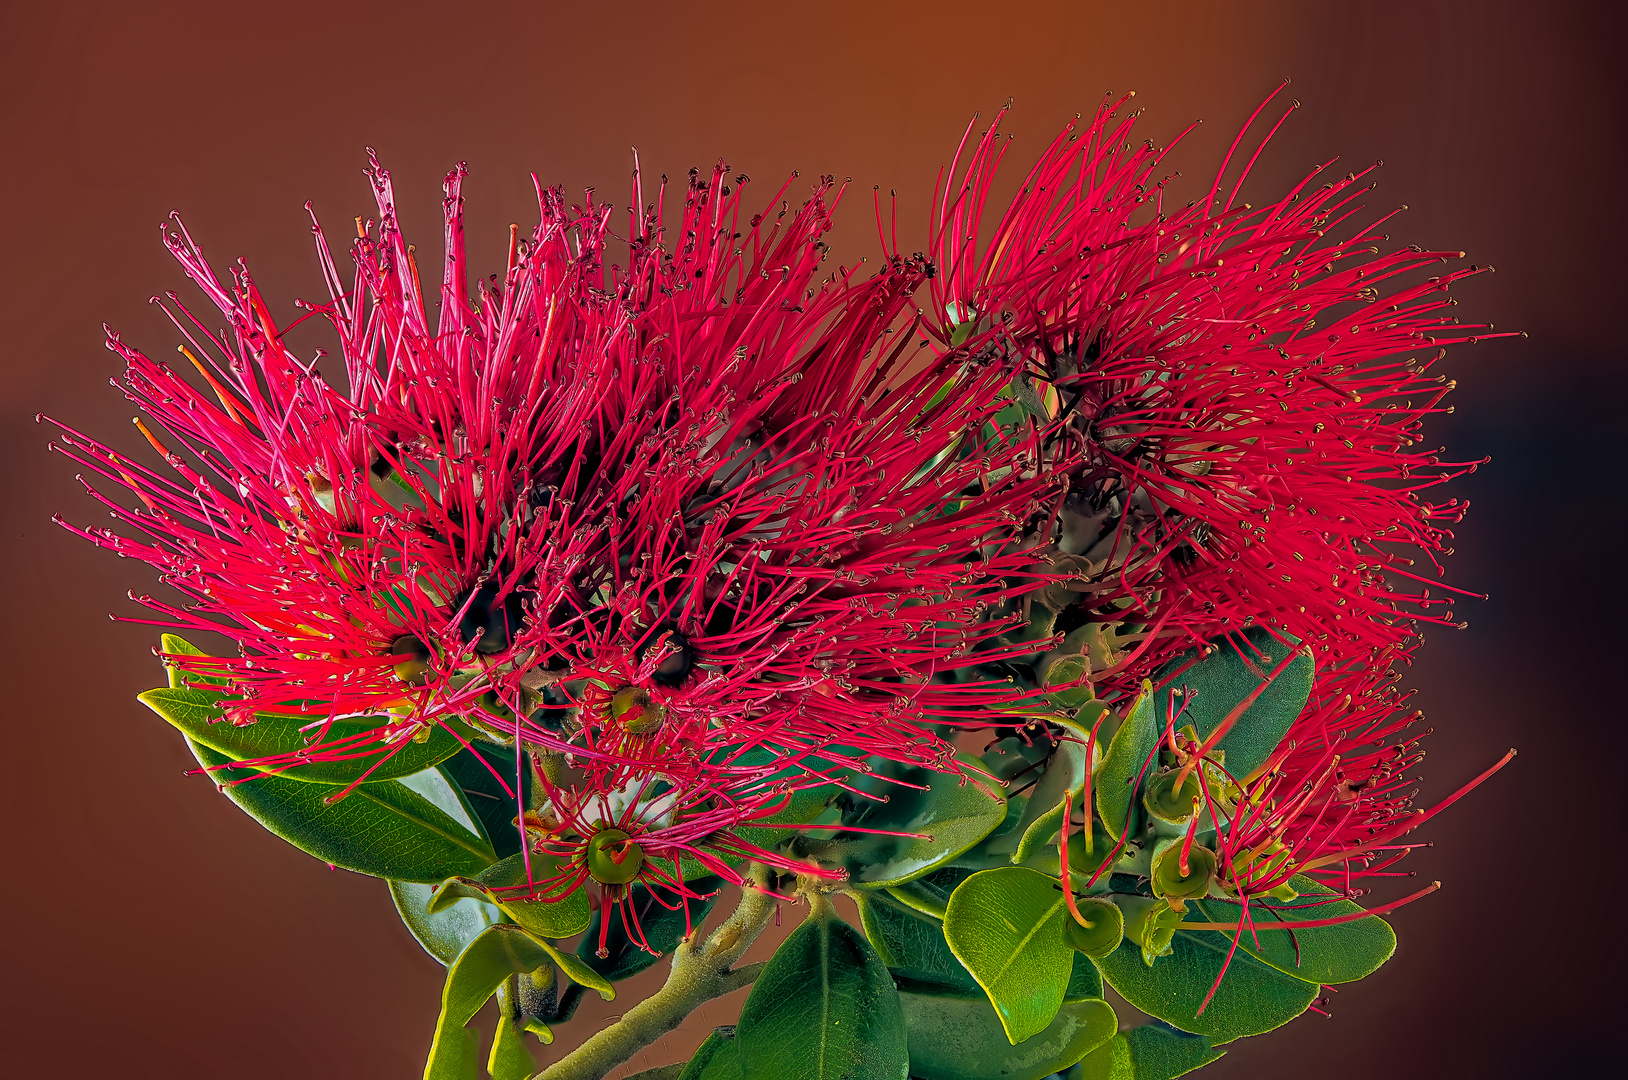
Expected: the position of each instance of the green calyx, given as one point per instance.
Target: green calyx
(1173, 880)
(1150, 924)
(613, 858)
(1165, 801)
(632, 708)
(1097, 931)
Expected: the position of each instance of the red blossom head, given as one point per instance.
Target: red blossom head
(710, 478)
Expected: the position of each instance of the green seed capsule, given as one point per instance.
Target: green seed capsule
(613, 857)
(1101, 932)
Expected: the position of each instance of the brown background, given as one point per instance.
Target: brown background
(152, 931)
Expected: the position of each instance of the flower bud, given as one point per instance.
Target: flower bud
(1150, 923)
(1170, 809)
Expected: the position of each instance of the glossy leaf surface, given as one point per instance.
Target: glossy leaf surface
(824, 1008)
(446, 933)
(497, 953)
(1221, 680)
(1006, 926)
(949, 817)
(505, 883)
(1324, 954)
(384, 830)
(1127, 757)
(962, 1039)
(715, 1058)
(196, 714)
(476, 772)
(912, 945)
(1253, 998)
(1153, 1051)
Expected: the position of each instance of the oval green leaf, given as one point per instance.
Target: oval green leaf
(1127, 758)
(475, 771)
(385, 830)
(196, 714)
(1221, 680)
(1154, 1051)
(952, 814)
(1006, 926)
(912, 945)
(495, 954)
(823, 1008)
(715, 1058)
(445, 933)
(962, 1039)
(1323, 954)
(504, 883)
(1253, 998)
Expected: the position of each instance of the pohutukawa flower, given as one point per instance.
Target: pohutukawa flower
(740, 494)
(722, 548)
(1245, 388)
(1245, 394)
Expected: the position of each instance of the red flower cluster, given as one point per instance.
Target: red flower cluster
(715, 526)
(652, 517)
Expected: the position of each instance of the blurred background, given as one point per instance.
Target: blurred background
(153, 931)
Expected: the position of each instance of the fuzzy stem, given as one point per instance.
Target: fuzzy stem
(699, 974)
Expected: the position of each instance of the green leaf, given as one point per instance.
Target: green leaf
(951, 815)
(962, 1039)
(1217, 683)
(662, 930)
(715, 1058)
(1063, 778)
(823, 1008)
(805, 805)
(447, 932)
(503, 884)
(1084, 980)
(511, 1058)
(494, 955)
(1254, 997)
(495, 807)
(579, 972)
(912, 945)
(1006, 926)
(179, 674)
(1127, 757)
(1153, 1051)
(196, 714)
(1325, 954)
(387, 830)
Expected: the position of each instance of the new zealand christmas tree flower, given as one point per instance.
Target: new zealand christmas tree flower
(675, 559)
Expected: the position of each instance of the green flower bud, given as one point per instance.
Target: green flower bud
(1101, 931)
(613, 857)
